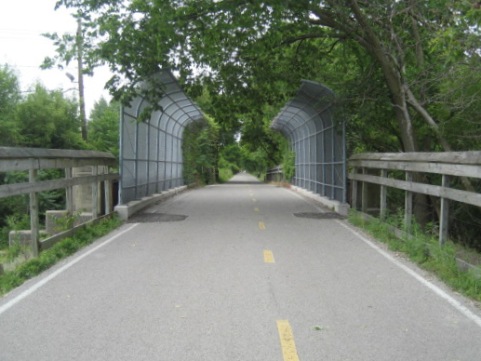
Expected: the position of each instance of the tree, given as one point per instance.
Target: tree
(232, 40)
(47, 120)
(104, 127)
(200, 150)
(81, 48)
(9, 98)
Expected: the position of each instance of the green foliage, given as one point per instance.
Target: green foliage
(18, 222)
(200, 152)
(230, 161)
(288, 162)
(44, 119)
(12, 222)
(54, 199)
(48, 258)
(11, 207)
(14, 211)
(9, 99)
(67, 48)
(225, 173)
(48, 120)
(103, 127)
(406, 73)
(255, 162)
(385, 60)
(66, 222)
(425, 251)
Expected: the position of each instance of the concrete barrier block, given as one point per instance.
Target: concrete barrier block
(125, 211)
(54, 221)
(59, 221)
(82, 218)
(333, 205)
(22, 237)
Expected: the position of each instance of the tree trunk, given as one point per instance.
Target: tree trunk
(400, 96)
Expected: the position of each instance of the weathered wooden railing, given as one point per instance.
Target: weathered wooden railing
(371, 168)
(32, 160)
(275, 174)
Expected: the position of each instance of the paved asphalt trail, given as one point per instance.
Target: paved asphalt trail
(241, 278)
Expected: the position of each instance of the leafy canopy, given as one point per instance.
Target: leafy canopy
(253, 53)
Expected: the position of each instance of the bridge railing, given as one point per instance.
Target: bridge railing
(383, 170)
(275, 174)
(32, 160)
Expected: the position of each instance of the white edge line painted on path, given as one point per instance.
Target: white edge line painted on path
(59, 271)
(453, 302)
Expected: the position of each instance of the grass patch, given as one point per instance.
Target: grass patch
(426, 252)
(83, 237)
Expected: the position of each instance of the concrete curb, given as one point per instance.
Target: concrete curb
(125, 211)
(336, 206)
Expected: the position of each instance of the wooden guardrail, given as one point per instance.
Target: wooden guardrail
(275, 174)
(448, 165)
(34, 159)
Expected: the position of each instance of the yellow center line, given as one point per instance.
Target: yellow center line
(268, 256)
(256, 209)
(288, 346)
(262, 226)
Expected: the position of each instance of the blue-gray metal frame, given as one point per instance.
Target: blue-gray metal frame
(307, 121)
(151, 151)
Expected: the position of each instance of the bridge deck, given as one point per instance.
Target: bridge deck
(240, 271)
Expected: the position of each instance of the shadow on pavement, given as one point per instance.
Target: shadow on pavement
(243, 179)
(236, 182)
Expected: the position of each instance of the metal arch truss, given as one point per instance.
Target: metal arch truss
(151, 151)
(307, 121)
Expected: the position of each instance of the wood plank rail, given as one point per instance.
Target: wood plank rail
(374, 168)
(32, 160)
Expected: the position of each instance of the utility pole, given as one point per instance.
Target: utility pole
(83, 118)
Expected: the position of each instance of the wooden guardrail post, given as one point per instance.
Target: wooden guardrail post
(32, 160)
(364, 193)
(108, 193)
(369, 192)
(69, 192)
(354, 185)
(34, 222)
(95, 193)
(408, 206)
(448, 165)
(444, 217)
(383, 198)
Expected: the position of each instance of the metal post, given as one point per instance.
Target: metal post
(157, 155)
(136, 160)
(34, 224)
(323, 160)
(166, 159)
(408, 206)
(333, 158)
(444, 218)
(383, 195)
(121, 154)
(147, 146)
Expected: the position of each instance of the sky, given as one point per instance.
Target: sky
(23, 48)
